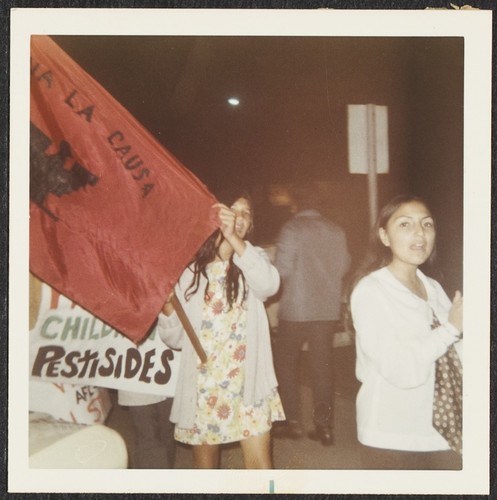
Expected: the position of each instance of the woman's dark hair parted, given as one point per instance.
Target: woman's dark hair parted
(210, 249)
(378, 255)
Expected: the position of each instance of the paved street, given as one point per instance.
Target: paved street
(290, 454)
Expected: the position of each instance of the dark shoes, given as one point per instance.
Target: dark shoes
(323, 419)
(322, 433)
(288, 429)
(294, 430)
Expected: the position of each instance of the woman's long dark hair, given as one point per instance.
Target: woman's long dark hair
(379, 255)
(208, 252)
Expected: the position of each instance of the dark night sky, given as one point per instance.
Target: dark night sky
(293, 93)
(291, 123)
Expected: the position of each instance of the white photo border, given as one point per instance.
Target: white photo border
(476, 28)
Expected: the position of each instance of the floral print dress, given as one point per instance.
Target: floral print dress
(221, 416)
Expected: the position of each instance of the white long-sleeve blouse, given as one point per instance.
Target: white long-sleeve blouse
(396, 354)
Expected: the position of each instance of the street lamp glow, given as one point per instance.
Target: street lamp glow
(234, 101)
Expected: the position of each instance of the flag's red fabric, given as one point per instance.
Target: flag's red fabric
(114, 217)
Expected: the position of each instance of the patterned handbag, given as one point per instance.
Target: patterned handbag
(447, 400)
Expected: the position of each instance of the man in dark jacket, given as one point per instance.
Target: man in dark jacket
(312, 258)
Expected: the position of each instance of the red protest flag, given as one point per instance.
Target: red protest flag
(114, 217)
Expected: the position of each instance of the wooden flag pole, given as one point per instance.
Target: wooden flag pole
(189, 329)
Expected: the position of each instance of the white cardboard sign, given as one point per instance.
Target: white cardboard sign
(69, 345)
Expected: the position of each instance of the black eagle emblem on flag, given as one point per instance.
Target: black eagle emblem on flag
(47, 173)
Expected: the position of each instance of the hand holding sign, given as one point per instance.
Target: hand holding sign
(168, 307)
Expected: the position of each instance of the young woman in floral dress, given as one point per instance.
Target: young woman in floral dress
(233, 396)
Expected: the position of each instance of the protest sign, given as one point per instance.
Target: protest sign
(71, 346)
(79, 404)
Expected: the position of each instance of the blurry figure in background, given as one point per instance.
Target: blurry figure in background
(312, 258)
(154, 444)
(274, 208)
(406, 326)
(233, 396)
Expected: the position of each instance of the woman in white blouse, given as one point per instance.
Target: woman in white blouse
(404, 322)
